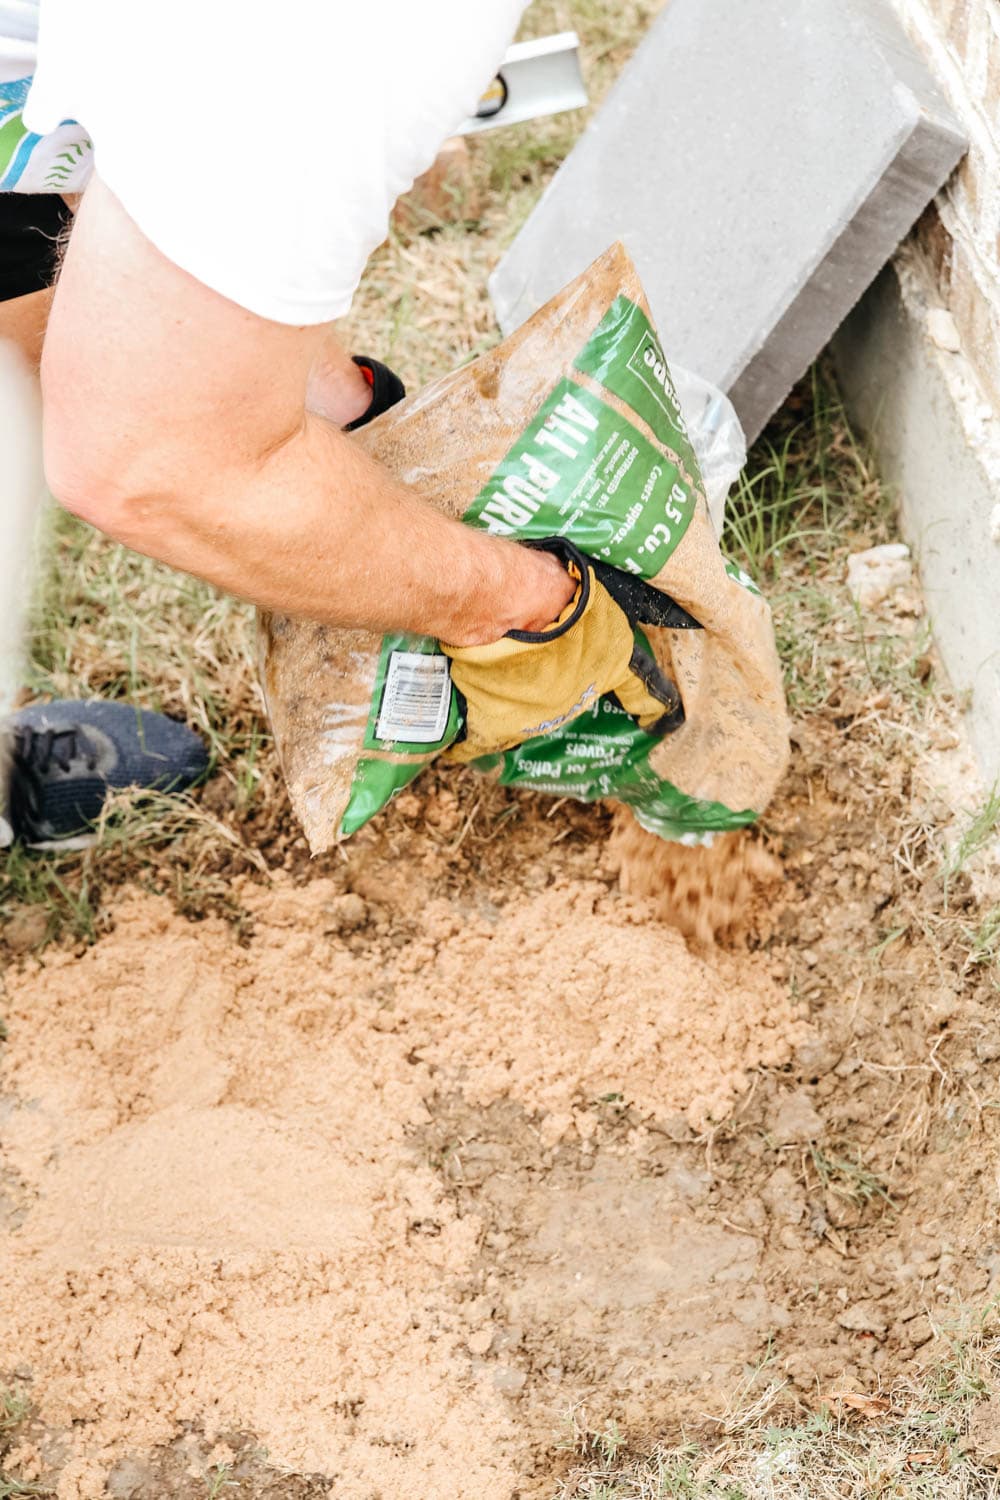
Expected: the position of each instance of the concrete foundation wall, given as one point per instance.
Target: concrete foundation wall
(938, 444)
(919, 361)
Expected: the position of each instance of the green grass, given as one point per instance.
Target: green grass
(14, 1407)
(57, 884)
(218, 1480)
(807, 499)
(108, 623)
(978, 833)
(983, 940)
(847, 1177)
(908, 1443)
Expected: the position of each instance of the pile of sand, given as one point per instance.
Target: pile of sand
(226, 1215)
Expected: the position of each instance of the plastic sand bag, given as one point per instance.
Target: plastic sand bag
(571, 427)
(716, 435)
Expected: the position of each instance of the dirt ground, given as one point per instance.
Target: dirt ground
(455, 1139)
(442, 1165)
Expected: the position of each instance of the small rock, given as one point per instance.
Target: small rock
(511, 1337)
(794, 1120)
(784, 1197)
(481, 1341)
(508, 1380)
(872, 575)
(26, 929)
(917, 1332)
(817, 1057)
(684, 1182)
(943, 330)
(862, 1317)
(127, 1480)
(752, 1212)
(676, 1128)
(345, 913)
(988, 1048)
(789, 1240)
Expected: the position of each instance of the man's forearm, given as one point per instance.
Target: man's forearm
(176, 421)
(318, 529)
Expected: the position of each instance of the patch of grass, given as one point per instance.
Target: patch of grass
(983, 941)
(809, 497)
(166, 842)
(110, 624)
(15, 1408)
(605, 1442)
(808, 489)
(908, 1443)
(848, 1178)
(978, 832)
(219, 1479)
(58, 884)
(15, 1405)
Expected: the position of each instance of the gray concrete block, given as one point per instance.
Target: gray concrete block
(938, 443)
(761, 159)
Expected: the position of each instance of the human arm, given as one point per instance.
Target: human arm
(176, 421)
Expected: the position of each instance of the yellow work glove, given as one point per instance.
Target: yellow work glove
(531, 683)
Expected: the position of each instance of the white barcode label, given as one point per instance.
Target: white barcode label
(416, 698)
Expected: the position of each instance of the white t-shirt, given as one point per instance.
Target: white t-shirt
(261, 146)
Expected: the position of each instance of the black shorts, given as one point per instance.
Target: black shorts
(30, 225)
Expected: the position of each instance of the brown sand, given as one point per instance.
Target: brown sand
(710, 894)
(227, 1215)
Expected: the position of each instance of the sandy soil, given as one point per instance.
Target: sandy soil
(435, 1148)
(225, 1212)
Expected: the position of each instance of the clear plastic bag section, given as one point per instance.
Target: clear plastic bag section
(716, 435)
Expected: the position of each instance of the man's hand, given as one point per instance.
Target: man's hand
(177, 422)
(534, 682)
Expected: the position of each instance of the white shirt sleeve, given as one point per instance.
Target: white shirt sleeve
(260, 146)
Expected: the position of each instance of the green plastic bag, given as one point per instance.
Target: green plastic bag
(570, 427)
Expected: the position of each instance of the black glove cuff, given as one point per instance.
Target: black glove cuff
(387, 389)
(567, 553)
(641, 601)
(659, 686)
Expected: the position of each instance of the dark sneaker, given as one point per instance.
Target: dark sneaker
(387, 389)
(66, 757)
